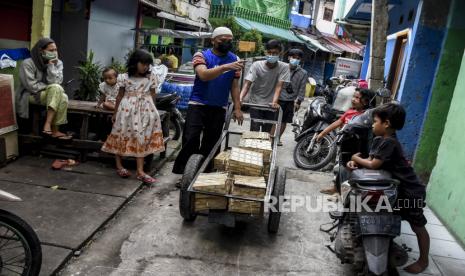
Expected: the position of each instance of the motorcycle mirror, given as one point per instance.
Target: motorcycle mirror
(384, 93)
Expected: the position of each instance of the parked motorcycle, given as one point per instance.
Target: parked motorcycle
(308, 154)
(20, 249)
(364, 238)
(167, 102)
(321, 112)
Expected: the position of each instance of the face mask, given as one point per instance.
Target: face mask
(294, 62)
(224, 47)
(272, 59)
(47, 55)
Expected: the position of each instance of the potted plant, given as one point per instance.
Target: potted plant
(89, 76)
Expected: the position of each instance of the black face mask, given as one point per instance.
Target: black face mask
(224, 47)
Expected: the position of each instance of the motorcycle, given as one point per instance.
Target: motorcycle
(365, 238)
(167, 102)
(20, 249)
(308, 154)
(323, 110)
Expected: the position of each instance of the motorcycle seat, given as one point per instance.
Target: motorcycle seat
(371, 177)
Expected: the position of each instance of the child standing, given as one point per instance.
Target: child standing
(360, 102)
(108, 89)
(387, 154)
(137, 128)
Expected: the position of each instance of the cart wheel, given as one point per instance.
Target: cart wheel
(278, 192)
(186, 199)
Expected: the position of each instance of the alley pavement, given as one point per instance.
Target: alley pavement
(93, 223)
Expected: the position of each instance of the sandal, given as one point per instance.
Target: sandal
(147, 179)
(123, 173)
(59, 164)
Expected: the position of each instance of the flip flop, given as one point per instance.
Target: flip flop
(47, 133)
(147, 179)
(59, 164)
(123, 173)
(62, 137)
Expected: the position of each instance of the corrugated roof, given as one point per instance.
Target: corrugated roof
(268, 31)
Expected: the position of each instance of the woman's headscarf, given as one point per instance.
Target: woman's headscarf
(36, 55)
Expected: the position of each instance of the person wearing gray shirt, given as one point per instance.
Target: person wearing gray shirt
(293, 93)
(265, 80)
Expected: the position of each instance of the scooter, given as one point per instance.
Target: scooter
(20, 249)
(167, 102)
(364, 237)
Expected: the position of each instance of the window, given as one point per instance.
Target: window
(328, 14)
(410, 15)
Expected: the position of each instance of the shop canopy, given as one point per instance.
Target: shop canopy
(314, 44)
(175, 33)
(268, 31)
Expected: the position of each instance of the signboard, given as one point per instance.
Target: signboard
(347, 67)
(246, 46)
(7, 112)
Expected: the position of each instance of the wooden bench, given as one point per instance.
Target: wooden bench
(86, 110)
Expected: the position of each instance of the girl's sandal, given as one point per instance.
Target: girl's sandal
(123, 173)
(147, 179)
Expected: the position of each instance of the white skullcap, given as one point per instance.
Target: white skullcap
(221, 31)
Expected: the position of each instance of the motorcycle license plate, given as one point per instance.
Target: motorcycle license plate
(380, 224)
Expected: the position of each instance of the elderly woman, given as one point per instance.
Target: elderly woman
(40, 78)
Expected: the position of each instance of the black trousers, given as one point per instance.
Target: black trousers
(264, 115)
(201, 120)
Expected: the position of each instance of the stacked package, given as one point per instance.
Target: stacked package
(247, 186)
(245, 162)
(221, 161)
(256, 135)
(258, 145)
(218, 182)
(260, 142)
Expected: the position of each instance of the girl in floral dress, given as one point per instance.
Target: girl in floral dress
(137, 127)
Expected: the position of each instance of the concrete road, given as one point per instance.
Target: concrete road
(149, 237)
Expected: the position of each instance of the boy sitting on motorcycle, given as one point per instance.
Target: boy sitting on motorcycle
(360, 102)
(386, 154)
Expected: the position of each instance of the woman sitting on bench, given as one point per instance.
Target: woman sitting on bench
(40, 78)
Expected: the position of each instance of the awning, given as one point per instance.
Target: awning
(175, 33)
(268, 31)
(313, 44)
(344, 46)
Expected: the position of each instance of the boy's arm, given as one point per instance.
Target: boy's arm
(277, 92)
(328, 129)
(369, 163)
(245, 89)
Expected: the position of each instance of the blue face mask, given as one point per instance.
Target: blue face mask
(294, 62)
(272, 59)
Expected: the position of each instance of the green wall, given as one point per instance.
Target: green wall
(443, 88)
(446, 189)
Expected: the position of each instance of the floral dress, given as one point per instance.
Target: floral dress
(137, 128)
